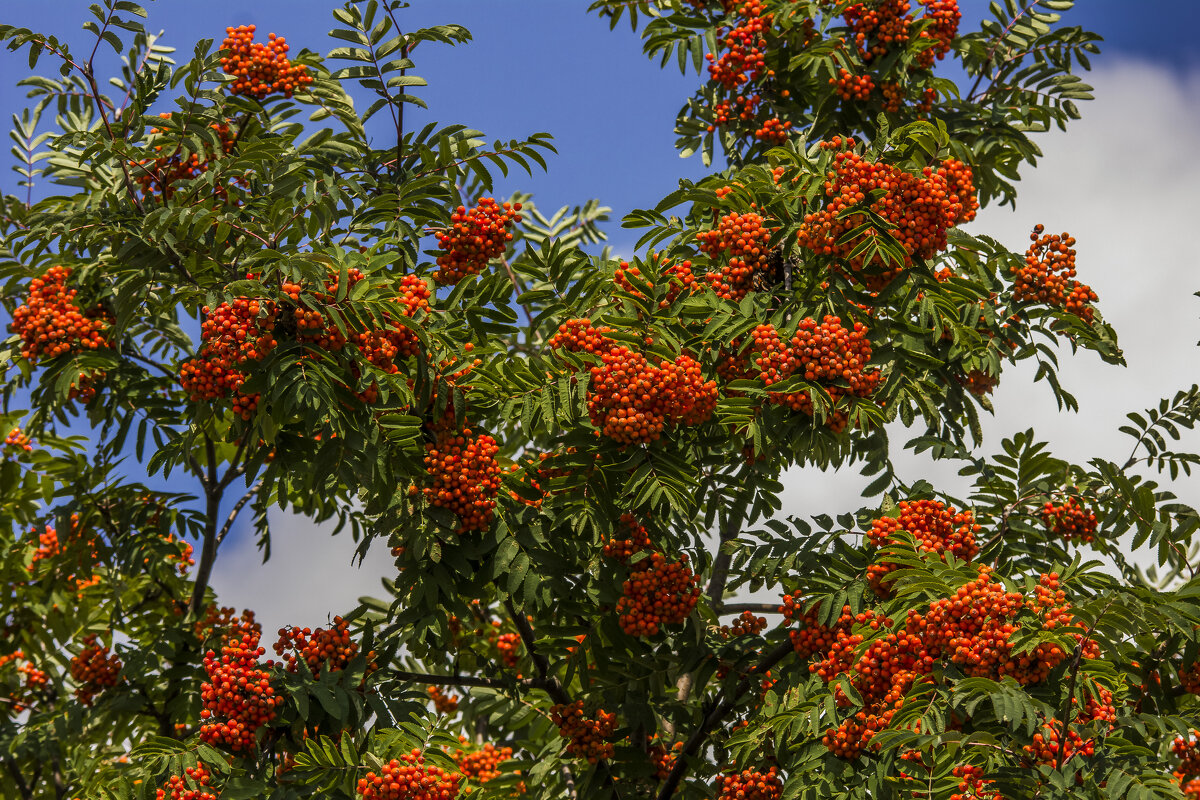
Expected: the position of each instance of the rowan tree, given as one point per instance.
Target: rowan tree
(575, 460)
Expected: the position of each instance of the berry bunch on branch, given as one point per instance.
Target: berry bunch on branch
(260, 69)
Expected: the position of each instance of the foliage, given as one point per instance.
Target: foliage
(575, 460)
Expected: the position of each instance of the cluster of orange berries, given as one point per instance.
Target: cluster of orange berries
(238, 698)
(1070, 520)
(159, 176)
(443, 703)
(636, 540)
(481, 765)
(233, 335)
(750, 784)
(972, 785)
(409, 778)
(18, 441)
(381, 346)
(32, 682)
(50, 323)
(663, 759)
(747, 624)
(475, 238)
(742, 241)
(94, 669)
(678, 276)
(1044, 748)
(882, 662)
(880, 27)
(853, 87)
(773, 131)
(580, 336)
(587, 736)
(744, 107)
(920, 208)
(318, 648)
(464, 475)
(658, 592)
(225, 625)
(632, 400)
(260, 69)
(1048, 276)
(176, 787)
(1187, 773)
(827, 353)
(744, 43)
(937, 528)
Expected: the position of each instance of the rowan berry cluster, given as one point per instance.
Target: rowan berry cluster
(920, 209)
(741, 240)
(679, 279)
(587, 735)
(632, 400)
(409, 778)
(658, 592)
(972, 785)
(1044, 747)
(508, 646)
(826, 353)
(18, 441)
(853, 87)
(773, 131)
(464, 476)
(636, 540)
(381, 345)
(580, 336)
(442, 703)
(1048, 276)
(260, 69)
(33, 680)
(159, 176)
(225, 625)
(318, 648)
(51, 323)
(481, 765)
(474, 238)
(1070, 520)
(94, 670)
(937, 528)
(745, 43)
(663, 759)
(747, 624)
(176, 787)
(78, 545)
(238, 698)
(883, 661)
(881, 27)
(1187, 773)
(750, 784)
(1189, 678)
(233, 336)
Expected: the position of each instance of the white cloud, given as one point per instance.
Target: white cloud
(1123, 181)
(308, 579)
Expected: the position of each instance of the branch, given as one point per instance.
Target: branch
(721, 706)
(450, 680)
(753, 608)
(720, 573)
(236, 509)
(19, 780)
(208, 553)
(550, 683)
